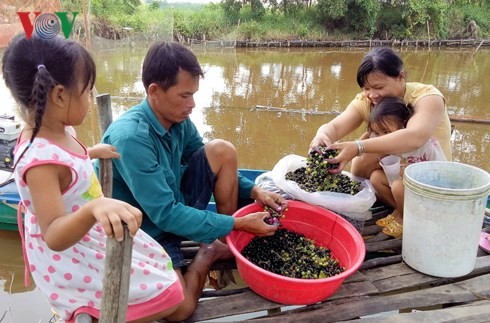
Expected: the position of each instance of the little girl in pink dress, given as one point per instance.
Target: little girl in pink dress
(67, 219)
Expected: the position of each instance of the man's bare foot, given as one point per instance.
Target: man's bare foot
(218, 250)
(215, 251)
(221, 278)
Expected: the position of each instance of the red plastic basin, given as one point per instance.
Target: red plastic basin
(327, 229)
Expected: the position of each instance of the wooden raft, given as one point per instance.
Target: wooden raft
(382, 284)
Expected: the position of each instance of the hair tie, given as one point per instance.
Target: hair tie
(40, 66)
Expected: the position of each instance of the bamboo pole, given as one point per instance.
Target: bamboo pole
(260, 108)
(118, 254)
(86, 25)
(478, 47)
(428, 34)
(469, 119)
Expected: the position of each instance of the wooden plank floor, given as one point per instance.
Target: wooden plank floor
(381, 289)
(383, 284)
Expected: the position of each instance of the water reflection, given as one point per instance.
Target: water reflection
(314, 80)
(18, 303)
(282, 78)
(304, 87)
(319, 80)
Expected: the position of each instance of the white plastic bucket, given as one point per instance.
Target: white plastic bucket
(443, 215)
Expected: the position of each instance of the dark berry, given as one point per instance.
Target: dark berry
(291, 254)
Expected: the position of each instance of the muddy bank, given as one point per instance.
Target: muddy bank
(477, 43)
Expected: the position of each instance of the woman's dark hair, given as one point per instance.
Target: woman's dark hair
(390, 108)
(164, 61)
(32, 67)
(382, 59)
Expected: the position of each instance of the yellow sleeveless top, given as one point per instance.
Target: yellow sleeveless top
(414, 92)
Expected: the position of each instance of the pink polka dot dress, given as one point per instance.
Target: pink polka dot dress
(72, 279)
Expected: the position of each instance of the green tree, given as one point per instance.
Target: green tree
(418, 13)
(353, 15)
(332, 9)
(363, 16)
(231, 9)
(258, 9)
(110, 8)
(390, 23)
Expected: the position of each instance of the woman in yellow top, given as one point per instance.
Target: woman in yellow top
(381, 74)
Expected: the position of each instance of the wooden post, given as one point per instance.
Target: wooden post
(118, 254)
(105, 111)
(116, 279)
(86, 24)
(478, 47)
(428, 33)
(105, 165)
(83, 318)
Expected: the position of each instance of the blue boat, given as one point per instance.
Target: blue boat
(9, 132)
(9, 198)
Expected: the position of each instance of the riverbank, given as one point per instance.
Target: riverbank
(476, 43)
(7, 31)
(284, 24)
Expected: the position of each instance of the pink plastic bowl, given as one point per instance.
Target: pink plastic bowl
(327, 229)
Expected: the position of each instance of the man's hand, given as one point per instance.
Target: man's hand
(254, 223)
(270, 199)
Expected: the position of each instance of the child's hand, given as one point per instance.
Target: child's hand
(103, 151)
(110, 213)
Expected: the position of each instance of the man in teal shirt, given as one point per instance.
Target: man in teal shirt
(167, 171)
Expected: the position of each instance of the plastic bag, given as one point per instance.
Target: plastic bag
(354, 206)
(266, 182)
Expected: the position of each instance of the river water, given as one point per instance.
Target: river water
(268, 103)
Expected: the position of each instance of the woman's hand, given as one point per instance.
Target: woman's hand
(347, 151)
(320, 140)
(111, 214)
(254, 223)
(270, 199)
(343, 124)
(103, 151)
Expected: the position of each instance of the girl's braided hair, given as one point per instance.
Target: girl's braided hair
(32, 67)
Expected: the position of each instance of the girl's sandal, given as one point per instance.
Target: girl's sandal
(383, 222)
(393, 229)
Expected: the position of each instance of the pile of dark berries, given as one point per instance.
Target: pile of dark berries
(316, 178)
(318, 159)
(291, 254)
(275, 217)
